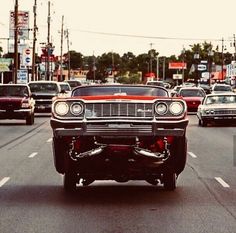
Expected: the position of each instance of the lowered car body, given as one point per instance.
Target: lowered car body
(121, 133)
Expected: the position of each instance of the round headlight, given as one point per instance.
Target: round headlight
(176, 108)
(61, 108)
(161, 108)
(76, 109)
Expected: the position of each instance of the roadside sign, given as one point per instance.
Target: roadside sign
(23, 25)
(5, 63)
(22, 76)
(177, 65)
(26, 57)
(201, 67)
(177, 76)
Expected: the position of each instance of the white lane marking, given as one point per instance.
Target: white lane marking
(222, 182)
(33, 155)
(49, 140)
(4, 181)
(192, 155)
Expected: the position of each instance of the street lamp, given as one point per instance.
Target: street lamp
(15, 42)
(210, 57)
(183, 54)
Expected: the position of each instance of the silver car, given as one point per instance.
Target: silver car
(216, 108)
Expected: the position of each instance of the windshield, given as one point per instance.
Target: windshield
(192, 93)
(120, 90)
(230, 99)
(65, 87)
(44, 87)
(20, 91)
(222, 88)
(155, 83)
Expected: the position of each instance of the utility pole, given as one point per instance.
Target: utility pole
(94, 76)
(48, 42)
(68, 49)
(164, 68)
(234, 48)
(157, 59)
(151, 56)
(222, 57)
(15, 43)
(34, 77)
(62, 34)
(183, 66)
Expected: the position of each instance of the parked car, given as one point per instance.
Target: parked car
(73, 83)
(205, 87)
(220, 87)
(65, 88)
(156, 83)
(43, 92)
(175, 90)
(216, 108)
(193, 97)
(121, 133)
(16, 102)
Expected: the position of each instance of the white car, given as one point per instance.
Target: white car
(216, 108)
(219, 88)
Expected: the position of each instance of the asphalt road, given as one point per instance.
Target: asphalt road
(32, 199)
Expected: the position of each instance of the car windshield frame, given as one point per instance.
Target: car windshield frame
(105, 90)
(14, 91)
(222, 88)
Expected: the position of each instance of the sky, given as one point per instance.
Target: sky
(121, 26)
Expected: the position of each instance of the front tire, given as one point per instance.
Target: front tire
(178, 155)
(70, 180)
(30, 119)
(169, 181)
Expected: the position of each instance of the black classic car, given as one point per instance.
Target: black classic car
(43, 92)
(121, 133)
(16, 102)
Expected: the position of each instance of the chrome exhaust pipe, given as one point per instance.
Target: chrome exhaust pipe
(158, 158)
(90, 153)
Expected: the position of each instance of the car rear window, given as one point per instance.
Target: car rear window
(120, 90)
(192, 93)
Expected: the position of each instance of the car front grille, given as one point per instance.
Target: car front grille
(225, 112)
(10, 106)
(112, 110)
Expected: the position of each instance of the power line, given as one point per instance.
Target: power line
(147, 37)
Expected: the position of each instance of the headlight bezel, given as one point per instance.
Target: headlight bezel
(161, 113)
(170, 114)
(70, 113)
(77, 104)
(59, 104)
(171, 108)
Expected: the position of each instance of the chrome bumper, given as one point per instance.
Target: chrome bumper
(161, 128)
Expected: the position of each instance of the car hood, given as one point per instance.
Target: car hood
(192, 98)
(220, 106)
(12, 99)
(118, 97)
